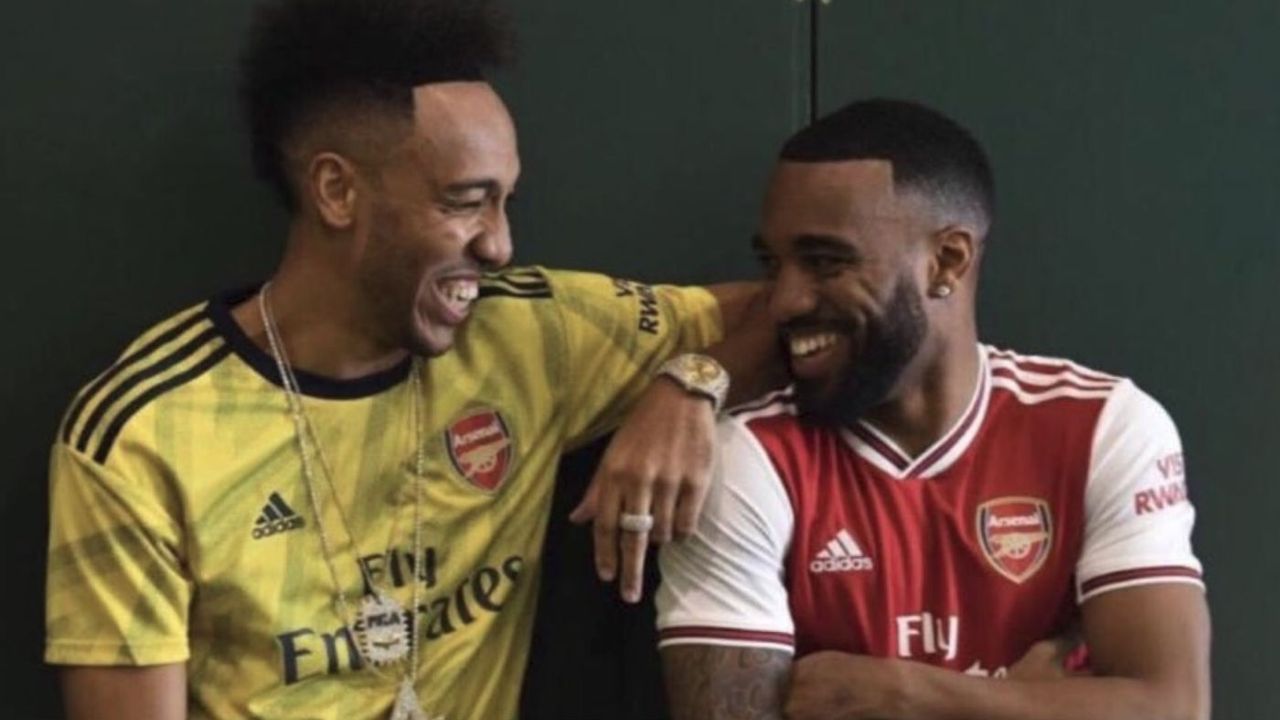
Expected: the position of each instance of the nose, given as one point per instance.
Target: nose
(492, 247)
(791, 294)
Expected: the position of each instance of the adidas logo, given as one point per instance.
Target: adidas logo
(841, 554)
(276, 517)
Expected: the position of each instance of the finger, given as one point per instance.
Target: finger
(586, 508)
(604, 530)
(665, 495)
(634, 545)
(693, 495)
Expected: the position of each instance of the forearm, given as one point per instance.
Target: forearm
(937, 694)
(1149, 650)
(749, 350)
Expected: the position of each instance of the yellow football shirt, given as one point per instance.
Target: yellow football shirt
(181, 527)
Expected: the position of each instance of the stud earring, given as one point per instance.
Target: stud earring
(942, 291)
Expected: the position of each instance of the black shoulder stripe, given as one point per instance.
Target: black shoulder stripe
(525, 272)
(113, 430)
(498, 291)
(519, 283)
(183, 352)
(123, 364)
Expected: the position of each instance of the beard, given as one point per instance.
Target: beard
(890, 342)
(390, 280)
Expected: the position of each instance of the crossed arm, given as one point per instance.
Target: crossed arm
(1148, 645)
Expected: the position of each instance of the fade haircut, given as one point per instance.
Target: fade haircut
(308, 61)
(931, 154)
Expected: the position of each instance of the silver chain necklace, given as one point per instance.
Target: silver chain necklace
(385, 632)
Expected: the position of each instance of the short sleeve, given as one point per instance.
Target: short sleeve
(1138, 516)
(724, 584)
(617, 333)
(117, 591)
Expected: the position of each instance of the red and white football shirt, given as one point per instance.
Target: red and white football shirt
(1057, 484)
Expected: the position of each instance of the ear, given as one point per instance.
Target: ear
(955, 253)
(331, 186)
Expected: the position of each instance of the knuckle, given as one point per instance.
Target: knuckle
(668, 482)
(639, 483)
(616, 470)
(626, 475)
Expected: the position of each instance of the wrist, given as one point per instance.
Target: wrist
(903, 691)
(698, 375)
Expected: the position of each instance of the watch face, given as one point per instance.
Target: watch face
(704, 371)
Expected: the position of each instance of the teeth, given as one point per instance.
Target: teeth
(805, 345)
(460, 292)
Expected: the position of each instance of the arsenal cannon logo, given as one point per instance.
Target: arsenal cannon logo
(479, 445)
(1016, 534)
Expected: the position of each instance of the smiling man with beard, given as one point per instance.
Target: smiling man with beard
(900, 533)
(867, 375)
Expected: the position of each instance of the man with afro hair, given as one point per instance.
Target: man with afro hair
(325, 495)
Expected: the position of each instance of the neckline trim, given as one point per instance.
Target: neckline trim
(310, 384)
(882, 451)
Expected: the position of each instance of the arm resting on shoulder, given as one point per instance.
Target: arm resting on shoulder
(749, 350)
(660, 459)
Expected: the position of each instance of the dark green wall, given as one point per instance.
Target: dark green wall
(1138, 167)
(647, 128)
(122, 197)
(1135, 151)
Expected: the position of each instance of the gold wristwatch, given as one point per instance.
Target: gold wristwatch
(700, 375)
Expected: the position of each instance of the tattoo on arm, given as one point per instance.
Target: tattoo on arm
(710, 682)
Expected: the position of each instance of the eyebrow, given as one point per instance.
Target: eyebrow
(811, 243)
(827, 244)
(489, 186)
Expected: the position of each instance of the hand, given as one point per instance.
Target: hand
(658, 463)
(1047, 659)
(842, 686)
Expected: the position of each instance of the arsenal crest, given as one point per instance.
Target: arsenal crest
(479, 445)
(1016, 534)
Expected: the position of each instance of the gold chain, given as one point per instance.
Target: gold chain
(304, 429)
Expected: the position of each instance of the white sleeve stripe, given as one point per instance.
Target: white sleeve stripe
(723, 635)
(727, 633)
(1156, 580)
(1123, 576)
(721, 642)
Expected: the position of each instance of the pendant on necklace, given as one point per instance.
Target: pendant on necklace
(383, 629)
(407, 707)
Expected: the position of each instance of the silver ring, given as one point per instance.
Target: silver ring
(635, 522)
